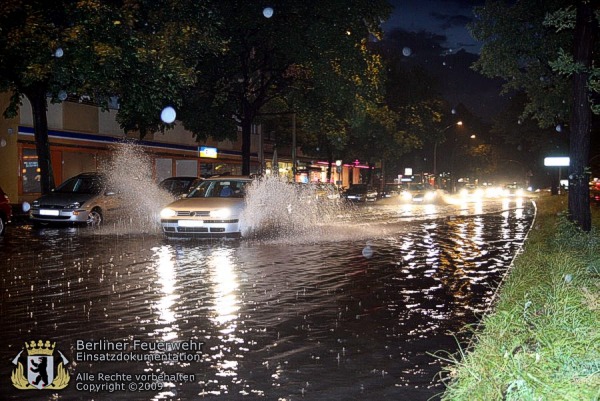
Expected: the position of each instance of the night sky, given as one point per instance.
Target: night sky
(433, 34)
(446, 18)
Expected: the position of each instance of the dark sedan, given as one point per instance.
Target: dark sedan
(361, 193)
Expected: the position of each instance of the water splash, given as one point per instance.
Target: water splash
(278, 209)
(129, 173)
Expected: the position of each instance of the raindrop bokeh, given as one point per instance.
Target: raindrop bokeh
(168, 115)
(268, 12)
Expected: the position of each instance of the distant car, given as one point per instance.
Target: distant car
(178, 186)
(326, 191)
(595, 196)
(471, 192)
(391, 190)
(418, 193)
(211, 209)
(84, 198)
(513, 189)
(361, 193)
(5, 212)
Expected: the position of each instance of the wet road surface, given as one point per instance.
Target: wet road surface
(352, 310)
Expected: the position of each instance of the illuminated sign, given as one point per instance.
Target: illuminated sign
(556, 161)
(208, 152)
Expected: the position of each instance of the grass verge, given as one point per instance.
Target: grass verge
(542, 339)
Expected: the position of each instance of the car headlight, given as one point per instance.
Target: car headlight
(406, 195)
(167, 213)
(429, 195)
(74, 205)
(220, 213)
(519, 192)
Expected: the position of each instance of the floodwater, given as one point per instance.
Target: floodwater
(356, 309)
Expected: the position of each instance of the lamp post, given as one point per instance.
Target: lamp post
(338, 169)
(435, 150)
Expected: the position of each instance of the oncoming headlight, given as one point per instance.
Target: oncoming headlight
(406, 195)
(167, 213)
(429, 195)
(220, 213)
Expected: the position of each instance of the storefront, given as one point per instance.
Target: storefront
(73, 153)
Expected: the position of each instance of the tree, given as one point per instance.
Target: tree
(545, 49)
(304, 46)
(136, 51)
(523, 144)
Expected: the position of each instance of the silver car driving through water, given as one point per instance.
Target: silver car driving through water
(211, 209)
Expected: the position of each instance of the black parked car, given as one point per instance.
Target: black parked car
(178, 186)
(361, 193)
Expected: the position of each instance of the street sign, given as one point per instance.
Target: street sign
(208, 152)
(562, 161)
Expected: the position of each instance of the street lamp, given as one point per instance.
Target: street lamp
(435, 150)
(338, 169)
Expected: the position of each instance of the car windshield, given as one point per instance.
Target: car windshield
(81, 185)
(178, 185)
(219, 189)
(357, 187)
(416, 187)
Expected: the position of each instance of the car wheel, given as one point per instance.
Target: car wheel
(95, 217)
(2, 226)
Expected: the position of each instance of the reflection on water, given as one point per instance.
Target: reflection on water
(165, 270)
(279, 319)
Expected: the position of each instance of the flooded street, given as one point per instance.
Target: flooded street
(350, 310)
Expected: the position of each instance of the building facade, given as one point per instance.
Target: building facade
(82, 138)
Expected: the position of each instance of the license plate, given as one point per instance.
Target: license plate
(46, 212)
(190, 223)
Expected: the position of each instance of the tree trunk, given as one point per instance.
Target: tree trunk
(39, 107)
(246, 141)
(579, 202)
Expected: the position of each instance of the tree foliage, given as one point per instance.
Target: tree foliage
(305, 50)
(518, 48)
(136, 50)
(549, 51)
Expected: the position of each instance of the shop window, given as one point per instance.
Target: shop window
(186, 168)
(30, 171)
(164, 169)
